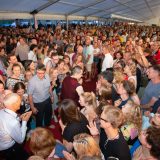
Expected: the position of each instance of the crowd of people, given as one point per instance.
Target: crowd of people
(42, 77)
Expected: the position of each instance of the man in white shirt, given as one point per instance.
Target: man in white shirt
(88, 55)
(108, 59)
(12, 133)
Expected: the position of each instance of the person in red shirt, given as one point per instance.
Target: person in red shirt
(72, 85)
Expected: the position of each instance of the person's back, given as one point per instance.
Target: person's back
(69, 86)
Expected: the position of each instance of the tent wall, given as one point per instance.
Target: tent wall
(39, 16)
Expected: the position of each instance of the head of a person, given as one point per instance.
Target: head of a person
(118, 76)
(88, 40)
(127, 56)
(119, 65)
(79, 58)
(22, 40)
(111, 117)
(126, 87)
(80, 49)
(28, 75)
(88, 99)
(153, 72)
(119, 55)
(29, 64)
(12, 101)
(35, 158)
(85, 145)
(130, 68)
(155, 121)
(66, 59)
(42, 142)
(1, 87)
(77, 72)
(12, 58)
(105, 49)
(106, 76)
(61, 64)
(132, 114)
(55, 57)
(19, 88)
(53, 73)
(150, 139)
(69, 111)
(105, 93)
(2, 51)
(33, 48)
(16, 69)
(70, 49)
(34, 41)
(41, 71)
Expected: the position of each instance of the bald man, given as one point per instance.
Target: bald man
(12, 132)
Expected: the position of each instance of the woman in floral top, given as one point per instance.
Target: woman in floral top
(16, 77)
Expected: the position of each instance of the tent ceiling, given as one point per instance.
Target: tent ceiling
(136, 9)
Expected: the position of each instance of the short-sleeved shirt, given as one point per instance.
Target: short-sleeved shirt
(75, 128)
(68, 91)
(88, 50)
(152, 90)
(39, 88)
(116, 148)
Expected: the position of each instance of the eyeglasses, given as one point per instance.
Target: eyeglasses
(102, 119)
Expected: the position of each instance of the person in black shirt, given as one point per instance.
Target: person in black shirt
(111, 140)
(72, 122)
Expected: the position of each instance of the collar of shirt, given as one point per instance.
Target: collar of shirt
(11, 112)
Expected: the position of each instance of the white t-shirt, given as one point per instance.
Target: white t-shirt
(46, 60)
(107, 62)
(32, 56)
(88, 50)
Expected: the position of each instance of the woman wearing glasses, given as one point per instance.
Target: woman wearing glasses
(111, 140)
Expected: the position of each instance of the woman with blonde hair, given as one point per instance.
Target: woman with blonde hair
(42, 143)
(130, 71)
(70, 53)
(85, 145)
(105, 94)
(132, 122)
(88, 101)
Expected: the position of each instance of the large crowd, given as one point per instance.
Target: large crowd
(43, 74)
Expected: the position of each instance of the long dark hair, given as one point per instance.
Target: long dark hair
(69, 111)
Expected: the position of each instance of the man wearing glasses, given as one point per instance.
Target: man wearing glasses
(40, 96)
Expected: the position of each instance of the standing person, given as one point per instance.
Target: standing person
(108, 59)
(12, 133)
(52, 63)
(111, 140)
(152, 91)
(88, 54)
(22, 50)
(32, 53)
(71, 86)
(39, 92)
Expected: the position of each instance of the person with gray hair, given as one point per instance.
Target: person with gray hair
(12, 132)
(72, 85)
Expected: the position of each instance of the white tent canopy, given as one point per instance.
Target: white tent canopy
(141, 10)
